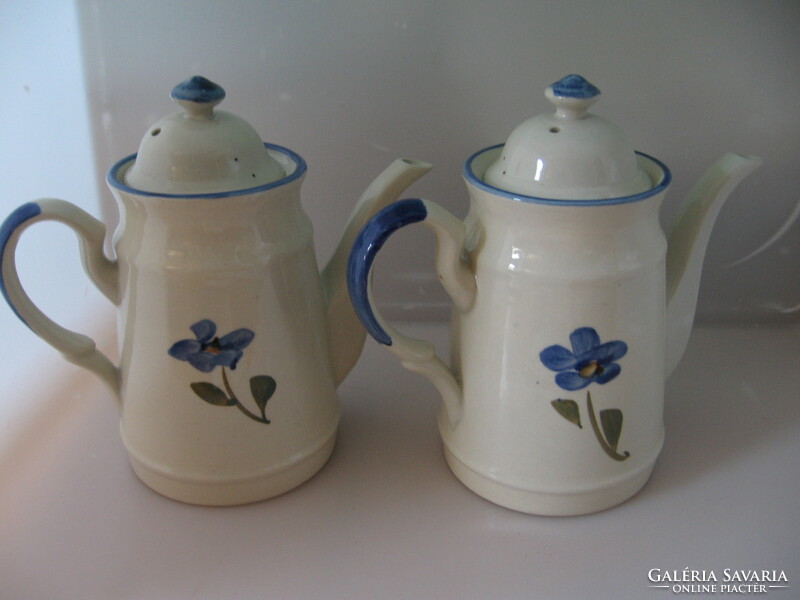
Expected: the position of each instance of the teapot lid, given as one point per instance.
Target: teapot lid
(201, 150)
(570, 154)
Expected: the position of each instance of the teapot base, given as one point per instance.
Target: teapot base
(547, 503)
(215, 492)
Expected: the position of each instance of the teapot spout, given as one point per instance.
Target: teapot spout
(688, 240)
(345, 332)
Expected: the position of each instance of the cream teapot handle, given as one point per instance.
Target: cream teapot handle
(76, 348)
(458, 280)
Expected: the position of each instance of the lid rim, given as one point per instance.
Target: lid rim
(300, 169)
(473, 179)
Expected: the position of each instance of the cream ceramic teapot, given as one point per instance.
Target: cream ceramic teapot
(570, 307)
(231, 342)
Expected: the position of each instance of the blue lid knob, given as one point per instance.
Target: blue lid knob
(574, 86)
(198, 89)
(198, 96)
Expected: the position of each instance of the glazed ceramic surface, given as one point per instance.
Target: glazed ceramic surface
(553, 401)
(231, 342)
(221, 318)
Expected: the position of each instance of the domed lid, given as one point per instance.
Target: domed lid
(570, 154)
(200, 150)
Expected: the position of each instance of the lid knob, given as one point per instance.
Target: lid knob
(572, 96)
(198, 96)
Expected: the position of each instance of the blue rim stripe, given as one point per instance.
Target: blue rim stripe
(473, 179)
(371, 239)
(300, 170)
(13, 221)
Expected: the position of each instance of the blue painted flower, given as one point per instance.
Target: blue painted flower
(588, 362)
(208, 351)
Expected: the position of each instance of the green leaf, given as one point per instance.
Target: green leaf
(611, 422)
(211, 394)
(262, 387)
(569, 410)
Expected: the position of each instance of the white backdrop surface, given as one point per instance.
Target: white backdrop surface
(352, 84)
(45, 151)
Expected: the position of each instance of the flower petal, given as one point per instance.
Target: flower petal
(570, 380)
(202, 361)
(184, 348)
(584, 339)
(609, 352)
(610, 372)
(238, 339)
(557, 358)
(227, 358)
(204, 330)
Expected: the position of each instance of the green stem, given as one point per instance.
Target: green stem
(603, 443)
(239, 405)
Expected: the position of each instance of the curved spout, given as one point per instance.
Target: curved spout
(688, 240)
(345, 332)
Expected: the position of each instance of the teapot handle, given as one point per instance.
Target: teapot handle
(76, 348)
(458, 280)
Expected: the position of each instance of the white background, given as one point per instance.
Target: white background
(45, 150)
(353, 84)
(350, 85)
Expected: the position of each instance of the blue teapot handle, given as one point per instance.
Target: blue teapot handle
(76, 348)
(454, 272)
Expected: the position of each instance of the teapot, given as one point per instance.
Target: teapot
(231, 341)
(571, 308)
